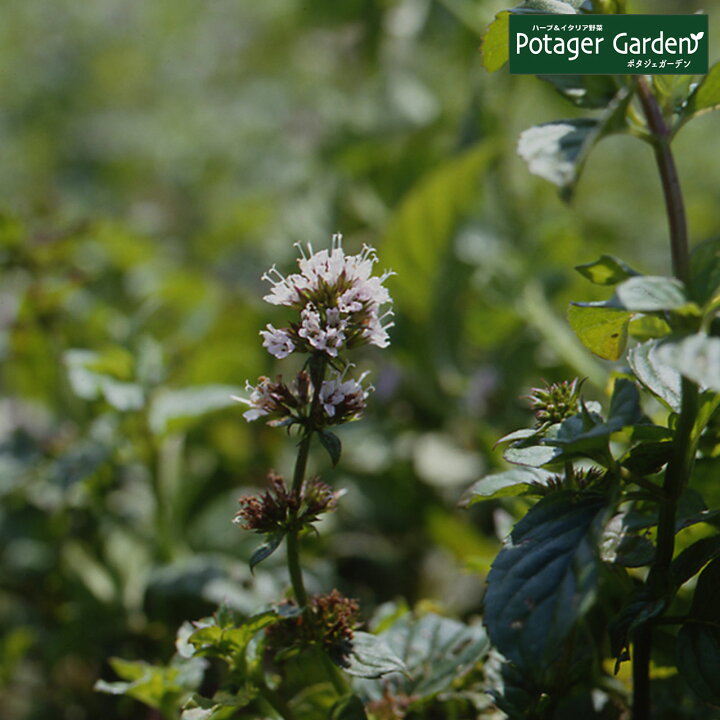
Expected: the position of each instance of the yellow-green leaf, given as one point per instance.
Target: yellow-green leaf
(495, 43)
(602, 330)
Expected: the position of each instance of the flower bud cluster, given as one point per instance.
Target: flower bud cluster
(277, 398)
(555, 403)
(280, 509)
(330, 621)
(578, 479)
(339, 301)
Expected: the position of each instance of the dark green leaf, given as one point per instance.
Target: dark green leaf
(624, 406)
(371, 657)
(705, 605)
(586, 432)
(705, 271)
(697, 357)
(349, 707)
(650, 369)
(698, 659)
(510, 482)
(648, 458)
(607, 270)
(691, 560)
(332, 444)
(271, 544)
(601, 330)
(544, 580)
(621, 544)
(637, 612)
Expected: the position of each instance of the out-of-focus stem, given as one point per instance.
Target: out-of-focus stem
(674, 203)
(680, 466)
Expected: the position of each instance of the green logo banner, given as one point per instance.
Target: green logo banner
(608, 44)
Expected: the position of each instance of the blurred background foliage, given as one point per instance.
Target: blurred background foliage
(156, 158)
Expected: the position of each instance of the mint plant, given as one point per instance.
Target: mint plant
(305, 657)
(602, 569)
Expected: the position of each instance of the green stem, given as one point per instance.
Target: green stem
(318, 366)
(337, 680)
(674, 204)
(292, 540)
(276, 702)
(641, 673)
(678, 470)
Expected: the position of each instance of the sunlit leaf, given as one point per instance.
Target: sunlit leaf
(531, 455)
(650, 294)
(510, 482)
(607, 270)
(560, 7)
(436, 651)
(655, 374)
(706, 95)
(495, 50)
(648, 327)
(557, 150)
(602, 330)
(371, 657)
(697, 357)
(212, 638)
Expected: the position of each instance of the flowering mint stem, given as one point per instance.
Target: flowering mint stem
(318, 366)
(680, 466)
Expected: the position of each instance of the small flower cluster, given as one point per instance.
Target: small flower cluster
(339, 400)
(555, 403)
(280, 509)
(330, 621)
(276, 398)
(339, 301)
